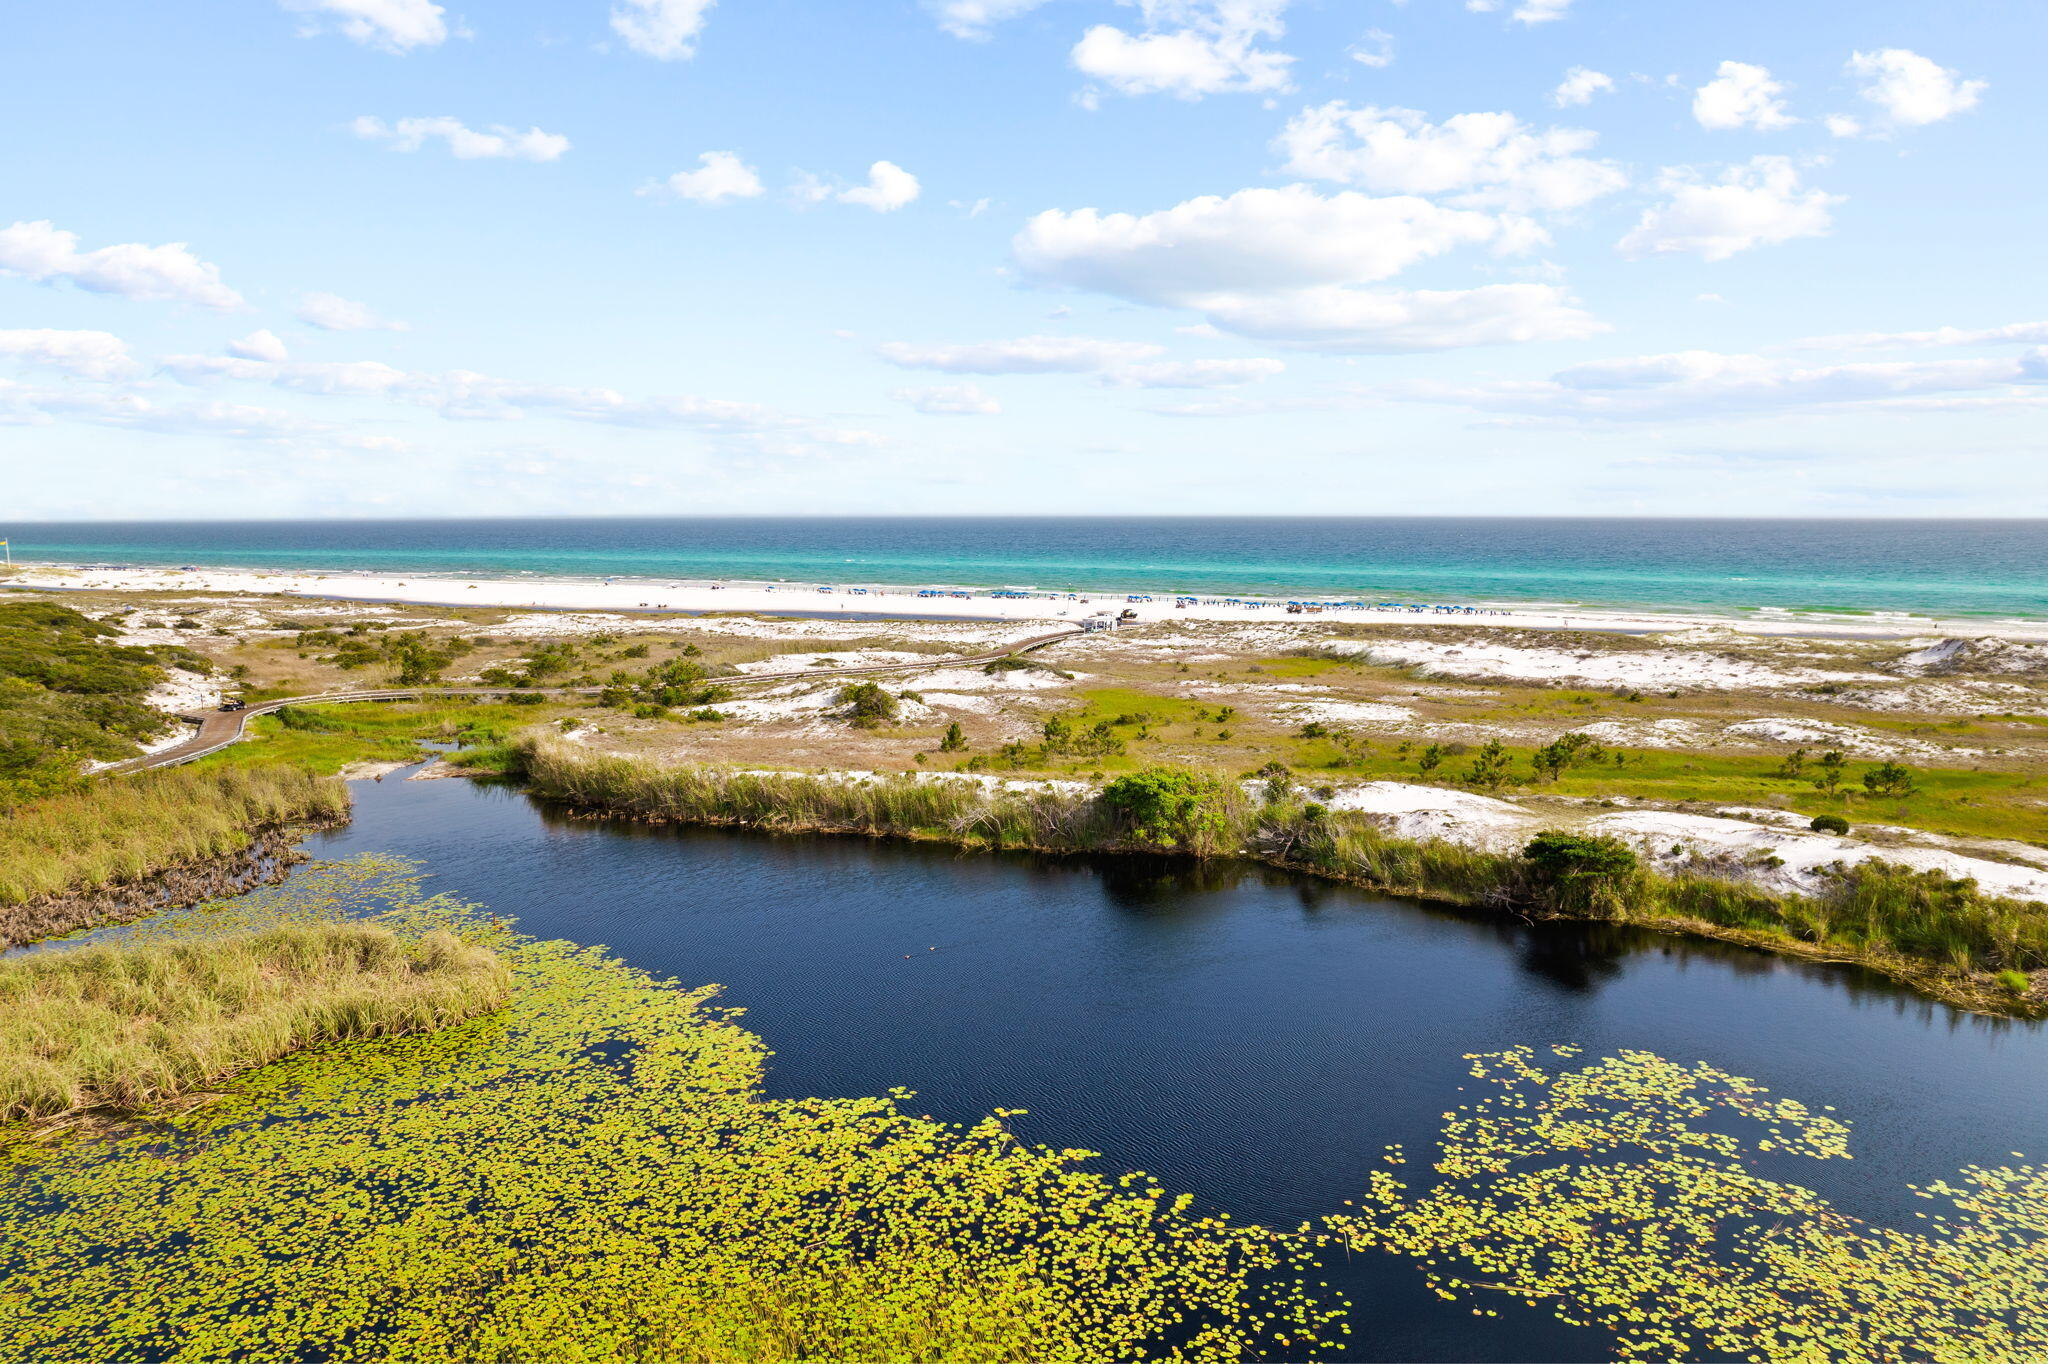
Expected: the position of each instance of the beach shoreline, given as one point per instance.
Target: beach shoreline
(853, 602)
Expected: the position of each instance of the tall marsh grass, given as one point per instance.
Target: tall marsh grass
(127, 1025)
(1942, 933)
(124, 829)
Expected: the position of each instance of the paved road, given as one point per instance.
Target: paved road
(219, 728)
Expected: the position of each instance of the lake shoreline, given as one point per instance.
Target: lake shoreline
(1436, 872)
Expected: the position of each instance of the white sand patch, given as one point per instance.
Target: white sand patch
(1423, 812)
(859, 777)
(1958, 655)
(851, 658)
(1946, 698)
(372, 770)
(973, 705)
(1733, 845)
(975, 680)
(178, 732)
(1667, 733)
(183, 691)
(805, 705)
(1345, 713)
(1780, 729)
(1663, 670)
(1197, 687)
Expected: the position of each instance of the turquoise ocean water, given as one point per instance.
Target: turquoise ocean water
(1942, 568)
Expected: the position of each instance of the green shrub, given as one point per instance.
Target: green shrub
(867, 705)
(68, 694)
(1889, 779)
(1829, 824)
(1172, 807)
(1581, 873)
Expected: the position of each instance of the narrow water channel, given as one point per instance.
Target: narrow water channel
(1253, 1038)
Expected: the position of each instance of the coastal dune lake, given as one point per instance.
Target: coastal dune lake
(1252, 1038)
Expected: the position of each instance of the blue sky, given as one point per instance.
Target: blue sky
(394, 257)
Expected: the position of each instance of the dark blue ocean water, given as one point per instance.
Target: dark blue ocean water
(1944, 568)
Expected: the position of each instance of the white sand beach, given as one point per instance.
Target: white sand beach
(854, 600)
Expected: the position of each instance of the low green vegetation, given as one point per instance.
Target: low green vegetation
(124, 829)
(593, 1173)
(132, 1025)
(1942, 934)
(328, 738)
(68, 696)
(866, 705)
(653, 694)
(412, 658)
(1173, 807)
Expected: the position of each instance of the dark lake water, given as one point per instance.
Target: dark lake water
(1252, 1038)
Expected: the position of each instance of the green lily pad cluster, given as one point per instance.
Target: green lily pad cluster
(1628, 1195)
(593, 1173)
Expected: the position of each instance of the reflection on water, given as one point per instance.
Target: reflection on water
(1252, 1037)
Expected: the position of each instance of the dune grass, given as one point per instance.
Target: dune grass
(128, 1025)
(1941, 934)
(123, 829)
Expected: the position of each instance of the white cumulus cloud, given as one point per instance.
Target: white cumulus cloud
(1579, 86)
(1401, 321)
(394, 25)
(1375, 49)
(1485, 158)
(889, 188)
(1758, 203)
(1024, 355)
(1708, 384)
(1253, 240)
(260, 345)
(332, 313)
(1193, 373)
(88, 354)
(1741, 96)
(464, 143)
(465, 395)
(719, 178)
(663, 29)
(1528, 12)
(2026, 332)
(949, 400)
(42, 252)
(1286, 264)
(972, 19)
(1912, 90)
(1189, 48)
